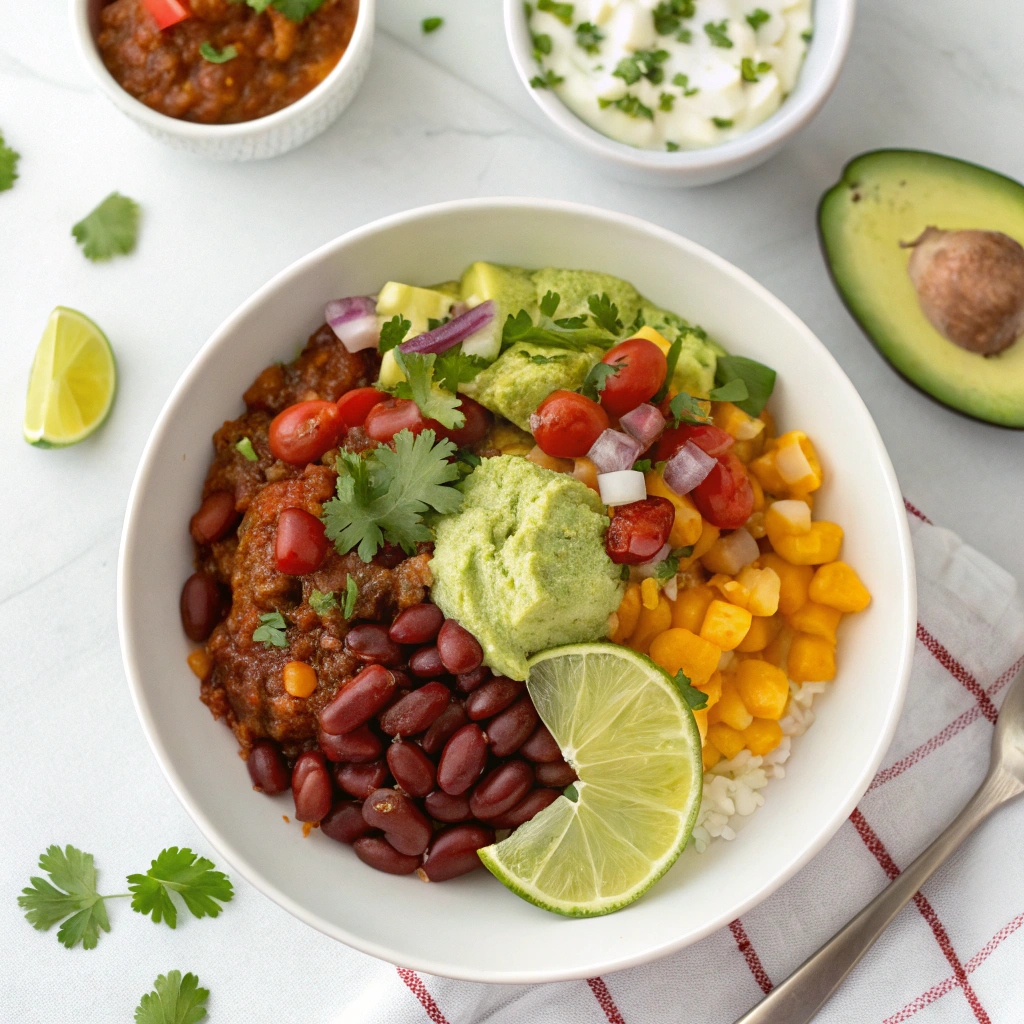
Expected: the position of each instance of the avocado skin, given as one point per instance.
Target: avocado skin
(880, 199)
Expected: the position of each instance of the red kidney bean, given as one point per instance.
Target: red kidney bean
(501, 789)
(467, 682)
(405, 826)
(358, 700)
(533, 803)
(541, 746)
(215, 517)
(416, 711)
(462, 760)
(380, 854)
(493, 697)
(426, 663)
(402, 680)
(460, 652)
(370, 642)
(301, 544)
(442, 806)
(267, 769)
(200, 606)
(555, 773)
(639, 530)
(453, 852)
(412, 769)
(508, 731)
(344, 823)
(446, 725)
(311, 786)
(417, 624)
(360, 780)
(359, 746)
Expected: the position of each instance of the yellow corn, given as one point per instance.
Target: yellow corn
(821, 544)
(763, 467)
(755, 486)
(652, 622)
(652, 335)
(687, 525)
(710, 756)
(763, 688)
(762, 736)
(839, 586)
(788, 518)
(725, 625)
(200, 663)
(734, 421)
(713, 688)
(763, 630)
(691, 606)
(708, 536)
(733, 710)
(797, 464)
(677, 648)
(628, 613)
(763, 587)
(649, 592)
(755, 524)
(812, 659)
(701, 718)
(726, 739)
(299, 678)
(793, 581)
(777, 651)
(816, 619)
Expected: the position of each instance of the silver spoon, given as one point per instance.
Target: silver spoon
(810, 986)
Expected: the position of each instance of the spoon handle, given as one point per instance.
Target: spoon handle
(803, 993)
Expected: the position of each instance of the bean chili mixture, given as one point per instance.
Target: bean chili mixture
(275, 60)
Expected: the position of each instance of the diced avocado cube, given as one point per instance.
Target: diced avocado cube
(576, 286)
(510, 288)
(418, 305)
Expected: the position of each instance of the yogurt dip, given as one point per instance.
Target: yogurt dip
(670, 74)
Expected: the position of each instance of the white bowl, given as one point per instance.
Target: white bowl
(472, 927)
(833, 26)
(264, 137)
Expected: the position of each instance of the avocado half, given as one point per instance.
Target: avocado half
(890, 196)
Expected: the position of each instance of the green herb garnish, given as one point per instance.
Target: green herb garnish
(716, 33)
(549, 304)
(433, 401)
(757, 17)
(684, 35)
(642, 64)
(109, 230)
(245, 448)
(431, 25)
(722, 122)
(8, 165)
(210, 52)
(541, 45)
(589, 37)
(758, 378)
(666, 101)
(351, 596)
(683, 81)
(597, 379)
(393, 333)
(672, 147)
(750, 71)
(293, 10)
(807, 35)
(570, 333)
(322, 603)
(548, 80)
(733, 391)
(642, 465)
(669, 14)
(696, 700)
(671, 361)
(270, 632)
(174, 1000)
(563, 12)
(604, 313)
(687, 409)
(629, 105)
(201, 887)
(454, 367)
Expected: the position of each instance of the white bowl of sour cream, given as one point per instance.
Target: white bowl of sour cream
(679, 92)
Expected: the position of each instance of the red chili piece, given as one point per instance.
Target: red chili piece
(639, 530)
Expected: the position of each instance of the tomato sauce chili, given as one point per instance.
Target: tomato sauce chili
(261, 62)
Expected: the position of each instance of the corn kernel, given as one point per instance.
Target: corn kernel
(710, 756)
(652, 335)
(812, 659)
(755, 524)
(763, 467)
(652, 622)
(763, 587)
(762, 736)
(763, 688)
(777, 651)
(732, 710)
(708, 536)
(797, 464)
(628, 613)
(734, 421)
(763, 630)
(691, 606)
(726, 739)
(755, 486)
(770, 430)
(678, 648)
(821, 544)
(838, 585)
(299, 678)
(788, 518)
(701, 718)
(539, 457)
(725, 625)
(200, 663)
(586, 472)
(816, 619)
(713, 688)
(687, 525)
(794, 581)
(649, 592)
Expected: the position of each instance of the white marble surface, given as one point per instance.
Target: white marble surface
(440, 117)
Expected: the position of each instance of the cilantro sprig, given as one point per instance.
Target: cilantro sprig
(757, 17)
(174, 1000)
(454, 367)
(687, 409)
(716, 32)
(668, 15)
(597, 379)
(696, 700)
(589, 37)
(751, 70)
(293, 10)
(8, 165)
(630, 105)
(667, 568)
(351, 596)
(109, 230)
(434, 402)
(393, 333)
(270, 631)
(547, 80)
(569, 333)
(210, 53)
(604, 313)
(195, 880)
(563, 12)
(642, 64)
(323, 603)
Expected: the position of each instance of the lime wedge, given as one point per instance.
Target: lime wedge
(72, 384)
(623, 726)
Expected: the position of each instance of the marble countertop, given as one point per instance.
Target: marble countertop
(439, 117)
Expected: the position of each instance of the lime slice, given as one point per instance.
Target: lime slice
(623, 726)
(72, 384)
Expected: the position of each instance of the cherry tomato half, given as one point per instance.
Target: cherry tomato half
(303, 432)
(642, 368)
(478, 422)
(639, 530)
(705, 436)
(724, 497)
(354, 405)
(567, 424)
(394, 415)
(301, 543)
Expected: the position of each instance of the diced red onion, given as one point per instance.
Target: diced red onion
(354, 321)
(645, 423)
(614, 451)
(442, 338)
(622, 487)
(687, 468)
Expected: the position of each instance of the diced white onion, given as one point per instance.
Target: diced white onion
(621, 487)
(687, 468)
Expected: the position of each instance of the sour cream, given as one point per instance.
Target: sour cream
(670, 74)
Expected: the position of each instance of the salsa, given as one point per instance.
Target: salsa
(276, 61)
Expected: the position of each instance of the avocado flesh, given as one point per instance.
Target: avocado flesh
(891, 196)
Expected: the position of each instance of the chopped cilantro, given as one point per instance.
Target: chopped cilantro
(758, 378)
(683, 81)
(696, 700)
(174, 1000)
(571, 793)
(433, 322)
(549, 304)
(110, 229)
(294, 10)
(666, 101)
(722, 122)
(638, 322)
(210, 52)
(246, 449)
(541, 44)
(563, 12)
(734, 391)
(8, 165)
(589, 37)
(807, 35)
(351, 596)
(642, 64)
(393, 333)
(667, 568)
(642, 465)
(431, 25)
(454, 367)
(749, 70)
(419, 385)
(597, 379)
(384, 494)
(193, 878)
(757, 17)
(548, 80)
(322, 603)
(270, 632)
(672, 147)
(539, 360)
(716, 33)
(605, 313)
(571, 333)
(669, 14)
(687, 409)
(671, 361)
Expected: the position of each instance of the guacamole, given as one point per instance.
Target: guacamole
(522, 564)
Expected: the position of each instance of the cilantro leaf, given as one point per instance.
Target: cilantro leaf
(247, 451)
(807, 35)
(642, 64)
(322, 603)
(687, 409)
(629, 105)
(605, 313)
(548, 80)
(637, 323)
(351, 596)
(563, 12)
(393, 333)
(384, 495)
(666, 101)
(696, 700)
(642, 465)
(716, 33)
(570, 333)
(296, 10)
(270, 632)
(109, 230)
(722, 122)
(210, 52)
(734, 391)
(750, 71)
(666, 569)
(8, 165)
(597, 379)
(671, 360)
(541, 45)
(669, 13)
(589, 37)
(683, 81)
(549, 304)
(70, 893)
(174, 1000)
(431, 25)
(539, 360)
(672, 147)
(433, 402)
(259, 6)
(454, 367)
(757, 17)
(758, 378)
(193, 878)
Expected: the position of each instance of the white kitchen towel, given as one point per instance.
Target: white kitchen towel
(953, 955)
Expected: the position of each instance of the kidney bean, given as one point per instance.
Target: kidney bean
(405, 826)
(360, 746)
(508, 731)
(493, 697)
(453, 852)
(380, 854)
(369, 642)
(267, 769)
(541, 746)
(501, 789)
(402, 680)
(215, 517)
(412, 769)
(462, 760)
(358, 700)
(532, 804)
(417, 624)
(416, 711)
(460, 652)
(639, 530)
(426, 663)
(311, 786)
(555, 773)
(467, 682)
(360, 780)
(200, 606)
(446, 725)
(442, 806)
(344, 823)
